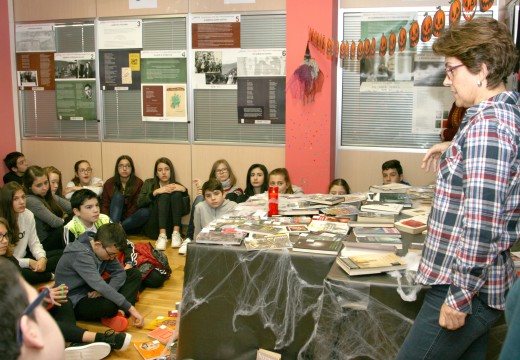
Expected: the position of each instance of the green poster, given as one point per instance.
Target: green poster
(163, 70)
(76, 100)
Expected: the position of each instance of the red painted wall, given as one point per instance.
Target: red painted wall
(8, 135)
(311, 128)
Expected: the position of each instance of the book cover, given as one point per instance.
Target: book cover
(396, 198)
(168, 321)
(354, 198)
(323, 217)
(326, 199)
(150, 349)
(328, 226)
(414, 225)
(393, 187)
(377, 231)
(370, 216)
(259, 228)
(263, 354)
(280, 241)
(320, 243)
(390, 240)
(424, 211)
(355, 224)
(225, 237)
(296, 228)
(383, 208)
(364, 259)
(341, 210)
(163, 334)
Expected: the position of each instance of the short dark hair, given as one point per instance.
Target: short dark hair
(393, 164)
(14, 298)
(212, 185)
(111, 234)
(79, 197)
(11, 159)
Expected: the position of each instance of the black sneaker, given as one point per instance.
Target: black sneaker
(117, 341)
(92, 351)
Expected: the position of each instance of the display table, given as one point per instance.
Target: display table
(235, 301)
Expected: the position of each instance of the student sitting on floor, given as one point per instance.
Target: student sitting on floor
(50, 211)
(214, 206)
(257, 182)
(17, 165)
(55, 181)
(80, 268)
(393, 172)
(83, 179)
(85, 205)
(280, 177)
(89, 344)
(37, 264)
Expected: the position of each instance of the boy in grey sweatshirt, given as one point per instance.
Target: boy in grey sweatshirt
(214, 206)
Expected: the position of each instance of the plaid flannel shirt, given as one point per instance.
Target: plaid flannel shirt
(474, 218)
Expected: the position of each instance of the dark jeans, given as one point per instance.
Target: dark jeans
(54, 240)
(154, 280)
(66, 320)
(100, 307)
(427, 340)
(132, 223)
(191, 225)
(166, 212)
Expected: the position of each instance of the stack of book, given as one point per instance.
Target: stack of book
(380, 207)
(393, 188)
(378, 235)
(395, 198)
(413, 225)
(320, 242)
(373, 219)
(362, 259)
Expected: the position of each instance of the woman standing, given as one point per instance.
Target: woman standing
(120, 194)
(83, 179)
(474, 218)
(50, 211)
(37, 264)
(164, 197)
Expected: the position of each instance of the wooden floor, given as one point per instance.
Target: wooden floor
(152, 303)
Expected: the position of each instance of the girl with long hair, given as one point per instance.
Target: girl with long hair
(163, 195)
(37, 264)
(83, 179)
(120, 194)
(257, 182)
(280, 177)
(50, 211)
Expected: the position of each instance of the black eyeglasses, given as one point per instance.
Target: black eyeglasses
(110, 255)
(30, 309)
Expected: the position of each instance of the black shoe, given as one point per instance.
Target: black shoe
(117, 341)
(92, 351)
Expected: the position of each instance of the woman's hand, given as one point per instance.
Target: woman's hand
(430, 161)
(41, 264)
(98, 184)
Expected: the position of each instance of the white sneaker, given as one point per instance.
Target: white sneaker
(176, 239)
(184, 246)
(94, 351)
(162, 242)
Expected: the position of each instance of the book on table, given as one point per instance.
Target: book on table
(387, 240)
(413, 225)
(298, 211)
(323, 217)
(423, 210)
(224, 237)
(162, 333)
(263, 229)
(329, 226)
(376, 231)
(365, 259)
(384, 208)
(343, 210)
(319, 242)
(296, 228)
(395, 198)
(263, 354)
(151, 350)
(393, 187)
(356, 224)
(371, 216)
(326, 199)
(269, 242)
